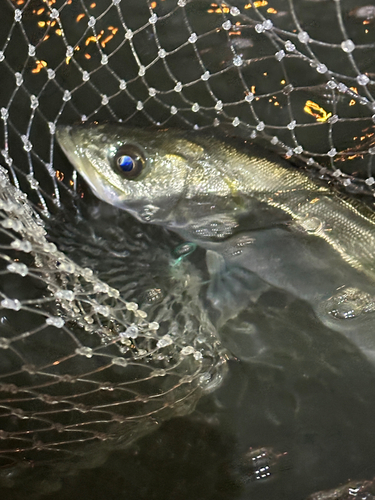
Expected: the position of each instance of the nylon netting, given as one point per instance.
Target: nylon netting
(80, 361)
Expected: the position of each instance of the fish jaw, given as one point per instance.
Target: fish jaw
(75, 153)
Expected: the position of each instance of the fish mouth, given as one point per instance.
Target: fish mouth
(69, 143)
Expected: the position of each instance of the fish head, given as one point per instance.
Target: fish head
(138, 170)
(164, 177)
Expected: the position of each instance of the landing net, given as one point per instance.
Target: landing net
(80, 360)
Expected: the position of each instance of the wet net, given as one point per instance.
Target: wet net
(100, 338)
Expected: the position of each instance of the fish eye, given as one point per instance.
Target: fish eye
(129, 161)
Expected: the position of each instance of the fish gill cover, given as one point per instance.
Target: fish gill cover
(81, 363)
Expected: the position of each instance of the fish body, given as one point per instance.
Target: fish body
(253, 213)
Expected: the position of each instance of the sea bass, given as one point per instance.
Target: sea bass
(262, 222)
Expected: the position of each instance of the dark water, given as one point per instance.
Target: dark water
(295, 413)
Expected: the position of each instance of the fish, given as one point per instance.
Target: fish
(263, 223)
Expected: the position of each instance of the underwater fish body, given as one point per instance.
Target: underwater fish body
(262, 222)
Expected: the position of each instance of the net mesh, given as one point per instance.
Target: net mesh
(80, 361)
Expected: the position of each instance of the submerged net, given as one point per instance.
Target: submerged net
(80, 361)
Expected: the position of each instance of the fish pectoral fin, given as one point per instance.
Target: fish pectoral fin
(232, 288)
